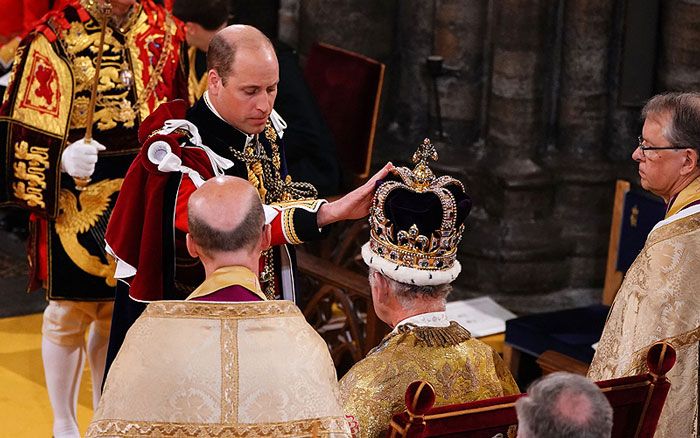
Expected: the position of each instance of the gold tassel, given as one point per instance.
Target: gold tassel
(255, 178)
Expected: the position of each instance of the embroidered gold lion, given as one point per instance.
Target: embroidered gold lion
(80, 215)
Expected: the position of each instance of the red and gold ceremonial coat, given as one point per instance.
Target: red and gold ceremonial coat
(46, 108)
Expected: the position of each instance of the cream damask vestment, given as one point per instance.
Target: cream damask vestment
(660, 300)
(204, 369)
(424, 347)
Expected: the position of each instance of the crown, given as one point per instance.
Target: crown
(416, 223)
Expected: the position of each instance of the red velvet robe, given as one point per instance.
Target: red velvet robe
(148, 225)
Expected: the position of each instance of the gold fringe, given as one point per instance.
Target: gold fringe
(427, 336)
(435, 336)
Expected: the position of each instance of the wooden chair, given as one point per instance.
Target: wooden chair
(347, 87)
(635, 212)
(637, 402)
(566, 336)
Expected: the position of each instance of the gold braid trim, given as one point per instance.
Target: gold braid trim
(205, 310)
(313, 427)
(427, 336)
(678, 342)
(288, 226)
(264, 172)
(267, 275)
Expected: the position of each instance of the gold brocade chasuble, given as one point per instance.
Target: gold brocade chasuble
(198, 369)
(460, 368)
(660, 300)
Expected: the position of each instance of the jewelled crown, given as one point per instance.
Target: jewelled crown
(416, 222)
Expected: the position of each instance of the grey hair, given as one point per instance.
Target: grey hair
(409, 293)
(684, 110)
(564, 405)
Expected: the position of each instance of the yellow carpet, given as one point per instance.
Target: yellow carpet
(25, 410)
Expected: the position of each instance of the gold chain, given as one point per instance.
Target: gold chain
(276, 189)
(267, 275)
(271, 188)
(156, 76)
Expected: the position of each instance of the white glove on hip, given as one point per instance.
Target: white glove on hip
(79, 158)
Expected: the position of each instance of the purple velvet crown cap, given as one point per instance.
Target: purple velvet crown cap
(416, 223)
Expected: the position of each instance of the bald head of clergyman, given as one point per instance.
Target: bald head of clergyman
(226, 224)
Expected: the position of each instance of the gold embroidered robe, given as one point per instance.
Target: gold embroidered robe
(462, 369)
(660, 300)
(46, 108)
(196, 369)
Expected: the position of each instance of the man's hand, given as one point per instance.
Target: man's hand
(79, 158)
(354, 205)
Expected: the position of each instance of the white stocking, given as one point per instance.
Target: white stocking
(63, 366)
(97, 354)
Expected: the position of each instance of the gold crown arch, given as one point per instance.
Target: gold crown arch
(409, 248)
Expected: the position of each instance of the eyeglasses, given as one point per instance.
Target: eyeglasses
(649, 151)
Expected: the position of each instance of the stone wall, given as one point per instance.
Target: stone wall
(530, 115)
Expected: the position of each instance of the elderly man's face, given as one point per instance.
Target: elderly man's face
(659, 170)
(247, 98)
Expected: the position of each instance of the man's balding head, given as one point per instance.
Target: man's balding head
(564, 404)
(230, 40)
(225, 215)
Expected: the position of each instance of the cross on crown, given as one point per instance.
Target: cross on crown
(423, 175)
(426, 151)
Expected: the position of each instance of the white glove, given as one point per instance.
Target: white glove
(79, 158)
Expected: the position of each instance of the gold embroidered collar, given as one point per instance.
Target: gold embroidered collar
(229, 276)
(427, 336)
(690, 194)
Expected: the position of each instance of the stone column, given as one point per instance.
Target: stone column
(410, 95)
(585, 183)
(455, 31)
(460, 36)
(623, 122)
(680, 45)
(513, 246)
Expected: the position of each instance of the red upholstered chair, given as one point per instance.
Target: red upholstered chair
(347, 87)
(637, 402)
